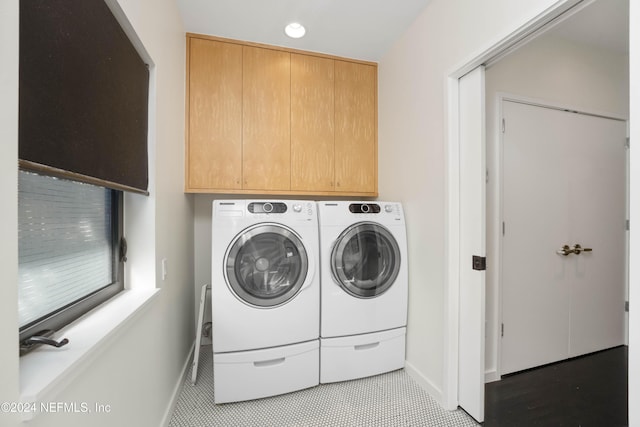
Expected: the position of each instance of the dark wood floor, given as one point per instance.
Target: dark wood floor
(588, 391)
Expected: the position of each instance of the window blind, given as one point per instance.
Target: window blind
(65, 243)
(84, 93)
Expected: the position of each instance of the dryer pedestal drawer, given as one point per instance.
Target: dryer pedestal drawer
(255, 374)
(358, 356)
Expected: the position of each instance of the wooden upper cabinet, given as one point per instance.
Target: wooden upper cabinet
(312, 123)
(356, 123)
(269, 120)
(214, 116)
(266, 119)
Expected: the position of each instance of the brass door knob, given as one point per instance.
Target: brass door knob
(575, 249)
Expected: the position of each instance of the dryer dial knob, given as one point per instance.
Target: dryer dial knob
(297, 207)
(388, 208)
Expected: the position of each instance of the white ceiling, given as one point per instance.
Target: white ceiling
(604, 24)
(360, 29)
(366, 29)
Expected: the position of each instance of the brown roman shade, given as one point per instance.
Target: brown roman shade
(84, 94)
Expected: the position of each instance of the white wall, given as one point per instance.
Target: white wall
(560, 72)
(138, 373)
(202, 239)
(634, 262)
(9, 214)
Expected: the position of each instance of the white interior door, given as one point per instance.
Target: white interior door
(564, 184)
(472, 243)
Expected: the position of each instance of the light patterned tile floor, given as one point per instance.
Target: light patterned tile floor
(391, 399)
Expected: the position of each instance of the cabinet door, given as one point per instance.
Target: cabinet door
(266, 119)
(312, 123)
(215, 115)
(355, 147)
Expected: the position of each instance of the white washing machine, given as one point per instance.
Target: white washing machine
(364, 288)
(265, 298)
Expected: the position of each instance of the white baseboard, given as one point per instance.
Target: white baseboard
(491, 376)
(177, 388)
(424, 383)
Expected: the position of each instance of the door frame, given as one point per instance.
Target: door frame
(498, 176)
(550, 17)
(472, 305)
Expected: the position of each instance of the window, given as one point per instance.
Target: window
(83, 136)
(69, 236)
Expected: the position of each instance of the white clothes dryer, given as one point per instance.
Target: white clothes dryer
(265, 298)
(364, 289)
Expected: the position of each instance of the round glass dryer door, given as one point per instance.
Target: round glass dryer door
(365, 260)
(266, 265)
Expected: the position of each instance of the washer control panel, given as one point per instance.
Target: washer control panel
(297, 208)
(267, 207)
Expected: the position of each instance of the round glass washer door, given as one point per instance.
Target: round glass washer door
(365, 260)
(266, 265)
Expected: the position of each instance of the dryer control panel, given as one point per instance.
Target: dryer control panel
(345, 212)
(373, 208)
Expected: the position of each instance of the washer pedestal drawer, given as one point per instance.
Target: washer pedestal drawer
(255, 374)
(358, 356)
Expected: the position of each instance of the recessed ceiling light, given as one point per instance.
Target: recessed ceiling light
(295, 30)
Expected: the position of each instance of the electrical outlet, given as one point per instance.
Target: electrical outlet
(164, 268)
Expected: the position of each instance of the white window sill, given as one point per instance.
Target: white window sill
(44, 372)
